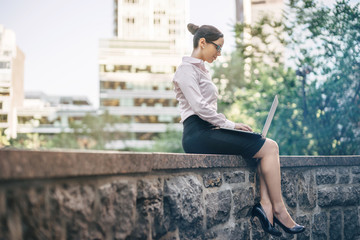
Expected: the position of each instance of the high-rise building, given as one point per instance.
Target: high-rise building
(137, 65)
(250, 11)
(11, 81)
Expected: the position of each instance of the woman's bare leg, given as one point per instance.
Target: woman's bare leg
(270, 179)
(264, 196)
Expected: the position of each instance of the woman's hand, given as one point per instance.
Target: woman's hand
(244, 127)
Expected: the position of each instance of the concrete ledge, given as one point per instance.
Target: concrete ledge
(26, 164)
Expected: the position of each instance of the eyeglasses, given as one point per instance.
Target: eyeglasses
(218, 47)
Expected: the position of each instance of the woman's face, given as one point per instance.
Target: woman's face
(211, 50)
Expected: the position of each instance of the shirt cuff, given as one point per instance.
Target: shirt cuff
(229, 124)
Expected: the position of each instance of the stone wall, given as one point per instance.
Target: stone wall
(111, 195)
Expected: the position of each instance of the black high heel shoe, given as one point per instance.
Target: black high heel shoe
(294, 230)
(259, 212)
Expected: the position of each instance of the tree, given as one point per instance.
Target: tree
(333, 92)
(329, 123)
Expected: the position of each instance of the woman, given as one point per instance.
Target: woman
(197, 97)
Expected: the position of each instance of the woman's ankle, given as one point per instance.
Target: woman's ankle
(279, 209)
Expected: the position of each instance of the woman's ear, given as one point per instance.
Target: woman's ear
(202, 42)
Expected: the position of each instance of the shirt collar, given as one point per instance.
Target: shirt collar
(196, 61)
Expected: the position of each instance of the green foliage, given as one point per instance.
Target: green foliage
(29, 141)
(169, 141)
(92, 132)
(334, 90)
(319, 117)
(3, 139)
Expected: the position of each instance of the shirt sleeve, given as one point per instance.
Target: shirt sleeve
(187, 80)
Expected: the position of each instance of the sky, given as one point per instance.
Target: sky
(60, 39)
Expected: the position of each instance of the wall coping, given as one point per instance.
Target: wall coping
(34, 164)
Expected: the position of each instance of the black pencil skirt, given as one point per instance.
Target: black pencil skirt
(202, 137)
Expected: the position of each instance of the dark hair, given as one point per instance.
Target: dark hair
(210, 33)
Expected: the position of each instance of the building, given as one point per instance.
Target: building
(137, 65)
(11, 81)
(250, 11)
(49, 115)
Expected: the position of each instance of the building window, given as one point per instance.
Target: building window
(110, 85)
(122, 68)
(75, 119)
(115, 68)
(126, 102)
(3, 118)
(176, 119)
(131, 1)
(152, 102)
(109, 68)
(130, 20)
(145, 136)
(65, 101)
(81, 102)
(110, 102)
(5, 91)
(1, 105)
(156, 21)
(159, 12)
(258, 1)
(5, 65)
(172, 31)
(143, 69)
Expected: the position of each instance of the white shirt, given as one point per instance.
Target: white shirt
(197, 94)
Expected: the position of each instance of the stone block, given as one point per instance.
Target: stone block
(234, 177)
(339, 196)
(325, 176)
(243, 199)
(355, 170)
(117, 208)
(305, 221)
(26, 213)
(239, 231)
(351, 223)
(74, 200)
(3, 229)
(183, 196)
(149, 222)
(212, 179)
(257, 231)
(34, 209)
(288, 186)
(151, 219)
(218, 207)
(306, 190)
(252, 175)
(356, 178)
(149, 188)
(335, 228)
(72, 208)
(13, 224)
(344, 175)
(319, 226)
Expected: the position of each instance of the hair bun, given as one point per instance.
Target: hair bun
(192, 28)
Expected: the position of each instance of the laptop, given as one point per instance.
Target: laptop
(267, 122)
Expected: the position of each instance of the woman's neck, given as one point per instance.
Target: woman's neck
(196, 54)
